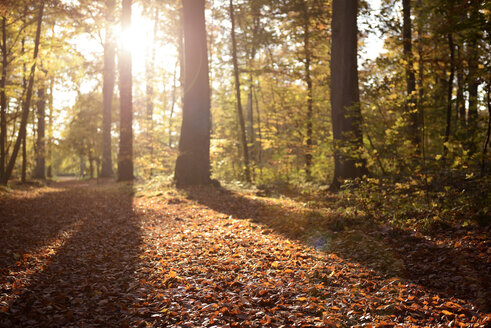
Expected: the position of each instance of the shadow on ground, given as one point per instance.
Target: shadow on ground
(88, 278)
(462, 273)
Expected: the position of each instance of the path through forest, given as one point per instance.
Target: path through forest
(87, 254)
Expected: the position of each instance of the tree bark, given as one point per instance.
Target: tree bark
(3, 101)
(308, 81)
(256, 21)
(460, 101)
(240, 113)
(449, 95)
(107, 92)
(24, 140)
(27, 103)
(49, 147)
(149, 90)
(125, 160)
(488, 133)
(40, 168)
(420, 103)
(23, 175)
(91, 161)
(193, 162)
(473, 81)
(173, 103)
(345, 108)
(411, 109)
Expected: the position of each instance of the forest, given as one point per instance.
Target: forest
(245, 163)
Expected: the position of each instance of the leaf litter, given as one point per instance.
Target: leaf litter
(85, 254)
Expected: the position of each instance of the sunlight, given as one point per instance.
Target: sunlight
(139, 38)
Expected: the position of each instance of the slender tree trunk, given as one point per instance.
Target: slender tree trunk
(256, 21)
(23, 177)
(173, 103)
(180, 49)
(3, 101)
(24, 140)
(49, 148)
(125, 160)
(449, 95)
(473, 81)
(91, 162)
(460, 101)
(181, 52)
(260, 136)
(488, 132)
(473, 98)
(411, 110)
(40, 168)
(149, 68)
(240, 114)
(250, 113)
(421, 112)
(308, 81)
(193, 162)
(108, 91)
(27, 103)
(346, 114)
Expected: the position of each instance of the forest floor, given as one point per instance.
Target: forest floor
(88, 254)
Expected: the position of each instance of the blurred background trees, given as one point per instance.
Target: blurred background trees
(423, 98)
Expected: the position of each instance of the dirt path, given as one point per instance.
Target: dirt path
(79, 254)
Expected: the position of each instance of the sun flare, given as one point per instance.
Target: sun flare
(140, 40)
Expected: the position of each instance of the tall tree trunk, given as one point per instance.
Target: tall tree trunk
(259, 134)
(23, 175)
(24, 140)
(256, 21)
(346, 113)
(180, 61)
(193, 162)
(473, 80)
(308, 81)
(411, 109)
(449, 95)
(420, 103)
(27, 103)
(40, 168)
(3, 101)
(149, 72)
(173, 103)
(488, 133)
(125, 160)
(240, 114)
(91, 161)
(108, 91)
(460, 101)
(49, 147)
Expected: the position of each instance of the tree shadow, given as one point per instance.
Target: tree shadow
(89, 278)
(453, 272)
(31, 219)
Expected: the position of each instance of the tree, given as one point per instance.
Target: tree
(107, 91)
(193, 162)
(346, 114)
(411, 110)
(40, 169)
(125, 160)
(3, 100)
(240, 113)
(25, 105)
(308, 80)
